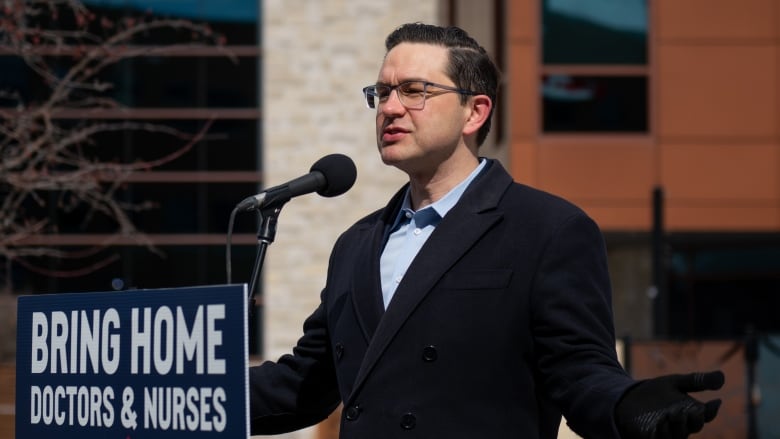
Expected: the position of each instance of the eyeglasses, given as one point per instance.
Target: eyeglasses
(411, 94)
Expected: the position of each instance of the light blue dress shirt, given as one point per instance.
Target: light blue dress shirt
(410, 231)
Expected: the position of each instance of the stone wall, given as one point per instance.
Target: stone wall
(317, 56)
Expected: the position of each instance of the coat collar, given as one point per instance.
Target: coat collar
(472, 217)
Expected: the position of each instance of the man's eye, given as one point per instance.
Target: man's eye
(411, 89)
(382, 92)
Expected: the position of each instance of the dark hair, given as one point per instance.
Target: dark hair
(470, 66)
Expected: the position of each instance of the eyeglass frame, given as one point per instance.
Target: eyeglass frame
(370, 95)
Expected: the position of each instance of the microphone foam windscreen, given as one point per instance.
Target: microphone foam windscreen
(339, 171)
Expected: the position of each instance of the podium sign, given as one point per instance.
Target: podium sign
(168, 363)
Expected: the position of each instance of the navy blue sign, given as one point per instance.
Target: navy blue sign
(169, 363)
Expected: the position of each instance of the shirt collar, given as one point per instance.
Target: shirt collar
(444, 204)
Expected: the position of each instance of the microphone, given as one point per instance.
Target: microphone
(329, 176)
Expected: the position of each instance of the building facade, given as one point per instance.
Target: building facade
(661, 119)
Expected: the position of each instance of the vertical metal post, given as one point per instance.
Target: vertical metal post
(659, 290)
(751, 359)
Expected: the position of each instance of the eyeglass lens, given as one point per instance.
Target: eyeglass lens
(411, 94)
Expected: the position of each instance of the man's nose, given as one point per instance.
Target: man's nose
(393, 103)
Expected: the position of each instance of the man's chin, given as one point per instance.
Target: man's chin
(388, 155)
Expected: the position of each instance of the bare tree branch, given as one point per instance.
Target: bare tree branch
(47, 163)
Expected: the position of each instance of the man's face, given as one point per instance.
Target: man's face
(418, 140)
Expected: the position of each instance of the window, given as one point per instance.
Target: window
(715, 282)
(594, 72)
(180, 86)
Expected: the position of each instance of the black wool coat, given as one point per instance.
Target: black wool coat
(502, 322)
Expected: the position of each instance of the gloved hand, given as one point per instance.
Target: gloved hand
(661, 408)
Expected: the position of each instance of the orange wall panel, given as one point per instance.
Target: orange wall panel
(777, 19)
(715, 139)
(523, 162)
(622, 218)
(522, 20)
(522, 82)
(728, 174)
(716, 19)
(606, 171)
(717, 91)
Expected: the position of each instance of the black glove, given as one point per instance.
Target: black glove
(660, 408)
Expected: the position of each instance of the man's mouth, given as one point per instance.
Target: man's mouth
(393, 134)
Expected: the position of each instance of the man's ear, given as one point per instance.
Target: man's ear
(479, 107)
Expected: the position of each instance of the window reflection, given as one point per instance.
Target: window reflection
(594, 31)
(210, 10)
(187, 205)
(594, 103)
(210, 82)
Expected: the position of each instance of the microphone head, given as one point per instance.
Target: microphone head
(339, 171)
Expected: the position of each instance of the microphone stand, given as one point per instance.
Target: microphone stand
(266, 233)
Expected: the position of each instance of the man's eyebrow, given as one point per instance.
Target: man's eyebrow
(382, 83)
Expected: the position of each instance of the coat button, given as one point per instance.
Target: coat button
(408, 421)
(430, 353)
(352, 413)
(339, 348)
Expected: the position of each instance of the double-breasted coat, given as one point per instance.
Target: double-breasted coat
(502, 322)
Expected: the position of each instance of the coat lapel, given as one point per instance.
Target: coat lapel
(367, 295)
(471, 218)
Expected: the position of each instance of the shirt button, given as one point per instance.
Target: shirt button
(339, 350)
(417, 231)
(408, 214)
(408, 421)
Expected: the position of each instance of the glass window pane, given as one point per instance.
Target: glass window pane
(594, 103)
(222, 10)
(231, 22)
(19, 84)
(192, 207)
(594, 32)
(229, 145)
(138, 267)
(154, 82)
(208, 82)
(171, 208)
(714, 285)
(235, 19)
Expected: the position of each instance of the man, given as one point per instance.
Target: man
(470, 306)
